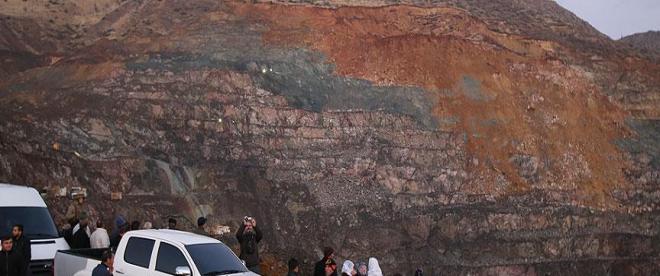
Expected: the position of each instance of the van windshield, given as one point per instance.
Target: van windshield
(37, 222)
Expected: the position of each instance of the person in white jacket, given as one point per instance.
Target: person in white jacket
(100, 238)
(374, 268)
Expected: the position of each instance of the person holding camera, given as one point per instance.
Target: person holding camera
(248, 237)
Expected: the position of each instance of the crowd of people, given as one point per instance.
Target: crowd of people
(80, 232)
(327, 266)
(249, 235)
(82, 235)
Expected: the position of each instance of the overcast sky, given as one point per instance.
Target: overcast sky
(617, 18)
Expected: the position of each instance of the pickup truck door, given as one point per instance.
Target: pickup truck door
(136, 259)
(168, 257)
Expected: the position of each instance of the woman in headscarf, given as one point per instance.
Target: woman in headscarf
(374, 268)
(348, 269)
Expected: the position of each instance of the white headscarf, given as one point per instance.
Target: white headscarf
(374, 268)
(347, 267)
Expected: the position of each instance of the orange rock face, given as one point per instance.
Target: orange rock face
(510, 95)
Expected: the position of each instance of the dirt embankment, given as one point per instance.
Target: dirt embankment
(527, 116)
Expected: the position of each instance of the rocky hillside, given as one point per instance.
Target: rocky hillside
(483, 137)
(648, 42)
(39, 33)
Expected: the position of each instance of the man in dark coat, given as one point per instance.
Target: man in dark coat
(114, 241)
(22, 245)
(249, 235)
(105, 268)
(327, 265)
(11, 263)
(81, 233)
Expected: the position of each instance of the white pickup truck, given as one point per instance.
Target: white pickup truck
(156, 253)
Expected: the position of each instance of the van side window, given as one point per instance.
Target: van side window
(138, 251)
(169, 257)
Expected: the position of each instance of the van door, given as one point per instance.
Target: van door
(137, 257)
(168, 258)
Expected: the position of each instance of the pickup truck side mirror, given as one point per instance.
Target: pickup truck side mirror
(182, 271)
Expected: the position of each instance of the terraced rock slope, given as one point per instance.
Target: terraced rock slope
(464, 136)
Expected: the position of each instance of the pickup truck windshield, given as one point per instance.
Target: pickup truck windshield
(36, 221)
(215, 259)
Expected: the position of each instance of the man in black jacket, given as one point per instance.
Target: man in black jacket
(11, 263)
(249, 236)
(22, 245)
(81, 233)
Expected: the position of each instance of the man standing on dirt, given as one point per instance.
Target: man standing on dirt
(249, 235)
(21, 245)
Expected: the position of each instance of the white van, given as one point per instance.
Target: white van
(24, 205)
